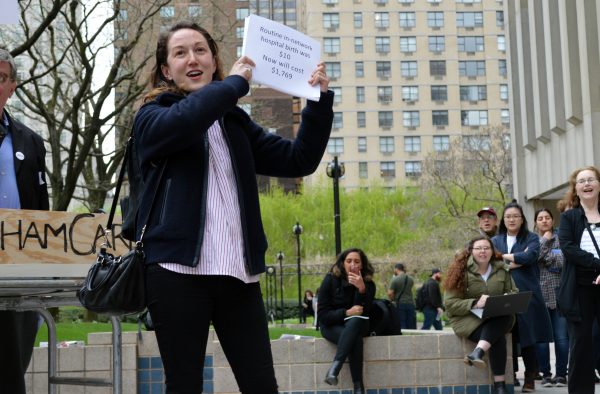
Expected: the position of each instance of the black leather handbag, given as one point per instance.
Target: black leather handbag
(115, 285)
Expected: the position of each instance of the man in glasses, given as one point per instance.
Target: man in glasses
(22, 186)
(488, 221)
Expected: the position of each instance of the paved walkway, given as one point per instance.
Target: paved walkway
(538, 386)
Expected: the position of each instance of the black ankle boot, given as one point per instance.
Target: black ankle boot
(499, 388)
(359, 388)
(475, 358)
(333, 372)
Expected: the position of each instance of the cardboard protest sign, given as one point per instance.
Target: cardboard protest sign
(28, 237)
(284, 57)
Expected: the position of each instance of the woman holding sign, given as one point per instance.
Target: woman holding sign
(475, 274)
(204, 241)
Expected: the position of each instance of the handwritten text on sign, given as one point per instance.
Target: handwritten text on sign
(284, 57)
(28, 236)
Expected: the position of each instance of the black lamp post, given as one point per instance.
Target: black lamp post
(297, 231)
(280, 257)
(271, 292)
(335, 171)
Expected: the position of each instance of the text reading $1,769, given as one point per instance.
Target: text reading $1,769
(281, 73)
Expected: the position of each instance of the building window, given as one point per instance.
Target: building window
(239, 32)
(384, 94)
(435, 19)
(167, 12)
(195, 11)
(358, 45)
(361, 120)
(382, 20)
(412, 169)
(363, 170)
(473, 92)
(380, 2)
(338, 120)
(439, 92)
(437, 43)
(439, 118)
(410, 93)
(476, 142)
(337, 94)
(412, 144)
(441, 143)
(468, 1)
(122, 15)
(502, 67)
(333, 69)
(471, 68)
(335, 146)
(386, 118)
(406, 1)
(386, 144)
(408, 69)
(238, 51)
(358, 20)
(331, 45)
(501, 43)
(504, 92)
(437, 68)
(408, 44)
(470, 44)
(407, 19)
(505, 117)
(469, 19)
(359, 69)
(330, 2)
(382, 44)
(242, 13)
(331, 20)
(473, 118)
(434, 1)
(387, 169)
(360, 94)
(362, 144)
(500, 18)
(384, 69)
(411, 118)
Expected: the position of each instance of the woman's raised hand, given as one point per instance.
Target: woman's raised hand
(243, 67)
(319, 76)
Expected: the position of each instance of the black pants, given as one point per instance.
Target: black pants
(17, 337)
(581, 352)
(349, 340)
(494, 331)
(182, 308)
(528, 353)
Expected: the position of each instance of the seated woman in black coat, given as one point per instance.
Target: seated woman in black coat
(345, 297)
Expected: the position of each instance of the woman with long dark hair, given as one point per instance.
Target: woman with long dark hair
(476, 273)
(204, 240)
(520, 249)
(579, 294)
(345, 298)
(550, 262)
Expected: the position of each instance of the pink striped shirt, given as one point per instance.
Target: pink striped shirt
(222, 250)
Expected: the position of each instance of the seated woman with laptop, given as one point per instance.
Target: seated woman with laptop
(476, 273)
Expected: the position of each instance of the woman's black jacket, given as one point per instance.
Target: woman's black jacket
(336, 295)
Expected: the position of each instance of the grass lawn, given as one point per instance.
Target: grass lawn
(71, 331)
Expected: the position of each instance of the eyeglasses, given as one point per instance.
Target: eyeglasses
(4, 78)
(584, 181)
(512, 217)
(480, 248)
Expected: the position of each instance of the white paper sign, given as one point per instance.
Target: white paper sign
(284, 57)
(9, 12)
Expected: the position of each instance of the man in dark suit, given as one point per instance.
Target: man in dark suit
(22, 186)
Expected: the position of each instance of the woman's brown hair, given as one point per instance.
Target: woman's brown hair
(571, 200)
(457, 270)
(158, 81)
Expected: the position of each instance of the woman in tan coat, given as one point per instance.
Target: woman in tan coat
(475, 274)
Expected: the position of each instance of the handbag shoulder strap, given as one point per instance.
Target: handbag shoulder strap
(113, 207)
(587, 225)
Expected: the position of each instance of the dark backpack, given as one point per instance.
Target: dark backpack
(384, 319)
(422, 297)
